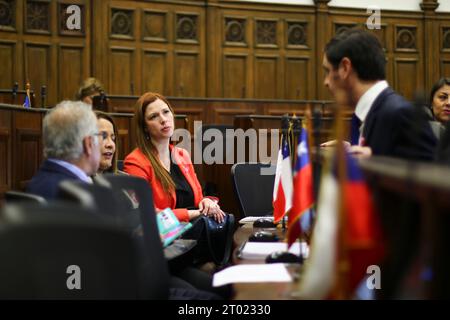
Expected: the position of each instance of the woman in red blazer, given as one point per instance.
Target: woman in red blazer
(174, 183)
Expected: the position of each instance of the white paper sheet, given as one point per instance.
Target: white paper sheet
(248, 273)
(260, 250)
(253, 219)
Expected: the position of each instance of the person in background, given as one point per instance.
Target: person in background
(383, 123)
(186, 281)
(108, 147)
(71, 148)
(168, 169)
(89, 88)
(438, 109)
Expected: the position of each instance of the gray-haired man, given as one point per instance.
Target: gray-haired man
(71, 148)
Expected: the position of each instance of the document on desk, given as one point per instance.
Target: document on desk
(260, 250)
(252, 273)
(253, 219)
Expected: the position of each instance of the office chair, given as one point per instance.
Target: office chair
(114, 202)
(62, 251)
(18, 196)
(211, 173)
(253, 190)
(96, 198)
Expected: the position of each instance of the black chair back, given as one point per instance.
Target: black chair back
(18, 196)
(124, 189)
(64, 252)
(253, 188)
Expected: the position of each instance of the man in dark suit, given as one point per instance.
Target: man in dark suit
(384, 123)
(71, 148)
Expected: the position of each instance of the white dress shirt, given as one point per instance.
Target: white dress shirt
(366, 101)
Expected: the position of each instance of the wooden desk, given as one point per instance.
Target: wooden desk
(261, 291)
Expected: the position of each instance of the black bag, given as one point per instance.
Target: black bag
(220, 238)
(214, 240)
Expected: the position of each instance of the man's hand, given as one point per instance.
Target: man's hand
(360, 152)
(333, 143)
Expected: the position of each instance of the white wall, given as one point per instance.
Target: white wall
(406, 5)
(444, 6)
(297, 2)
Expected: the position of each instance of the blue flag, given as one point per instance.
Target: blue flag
(27, 103)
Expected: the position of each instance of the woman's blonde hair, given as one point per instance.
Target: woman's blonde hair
(144, 142)
(107, 117)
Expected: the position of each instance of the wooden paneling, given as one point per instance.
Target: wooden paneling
(199, 48)
(27, 146)
(406, 80)
(234, 72)
(125, 135)
(39, 67)
(8, 61)
(155, 64)
(121, 71)
(186, 74)
(296, 78)
(70, 70)
(445, 67)
(266, 77)
(5, 151)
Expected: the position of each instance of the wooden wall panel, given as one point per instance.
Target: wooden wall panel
(121, 71)
(8, 62)
(444, 68)
(27, 147)
(5, 151)
(296, 78)
(406, 80)
(266, 77)
(186, 73)
(234, 72)
(155, 69)
(125, 134)
(70, 71)
(39, 68)
(200, 48)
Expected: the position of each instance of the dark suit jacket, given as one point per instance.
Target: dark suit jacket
(394, 128)
(46, 181)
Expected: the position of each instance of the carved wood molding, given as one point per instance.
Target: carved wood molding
(429, 5)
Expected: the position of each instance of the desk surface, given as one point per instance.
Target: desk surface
(261, 291)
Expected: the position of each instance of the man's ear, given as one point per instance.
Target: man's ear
(88, 144)
(345, 67)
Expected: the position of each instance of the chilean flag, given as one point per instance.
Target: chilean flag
(363, 231)
(303, 197)
(282, 190)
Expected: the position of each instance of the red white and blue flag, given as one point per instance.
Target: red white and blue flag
(303, 197)
(282, 191)
(363, 241)
(363, 230)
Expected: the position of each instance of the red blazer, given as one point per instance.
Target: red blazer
(137, 164)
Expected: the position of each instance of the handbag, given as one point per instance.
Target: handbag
(219, 237)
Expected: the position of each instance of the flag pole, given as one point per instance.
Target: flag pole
(296, 130)
(285, 134)
(343, 267)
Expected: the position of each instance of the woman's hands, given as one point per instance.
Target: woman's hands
(211, 208)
